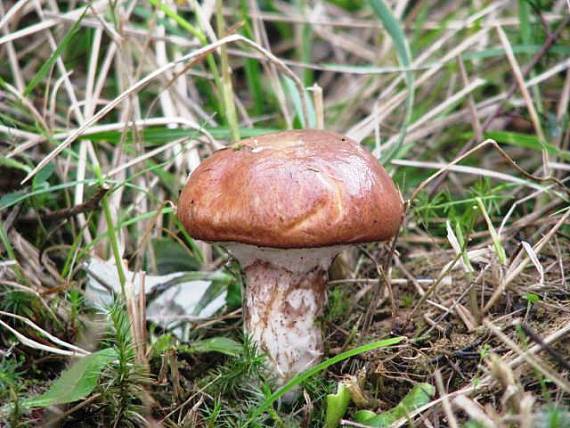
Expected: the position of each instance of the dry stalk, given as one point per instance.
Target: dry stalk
(529, 358)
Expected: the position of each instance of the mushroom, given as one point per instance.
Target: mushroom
(284, 205)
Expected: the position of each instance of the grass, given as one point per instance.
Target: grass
(105, 109)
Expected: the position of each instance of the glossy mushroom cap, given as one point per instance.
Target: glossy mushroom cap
(293, 189)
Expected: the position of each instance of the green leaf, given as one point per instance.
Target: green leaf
(223, 345)
(43, 175)
(531, 298)
(76, 382)
(302, 377)
(219, 284)
(172, 257)
(528, 34)
(233, 298)
(161, 344)
(363, 416)
(397, 35)
(419, 396)
(337, 405)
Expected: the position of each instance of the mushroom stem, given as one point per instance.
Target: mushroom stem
(281, 312)
(284, 297)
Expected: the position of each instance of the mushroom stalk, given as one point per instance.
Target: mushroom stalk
(284, 297)
(281, 311)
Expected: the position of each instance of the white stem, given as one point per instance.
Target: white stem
(284, 297)
(281, 312)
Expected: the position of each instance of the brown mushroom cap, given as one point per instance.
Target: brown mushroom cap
(293, 189)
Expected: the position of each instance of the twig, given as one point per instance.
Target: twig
(37, 345)
(66, 213)
(445, 401)
(474, 410)
(530, 359)
(560, 359)
(486, 381)
(382, 279)
(432, 288)
(503, 154)
(61, 417)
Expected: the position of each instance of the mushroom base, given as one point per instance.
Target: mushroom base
(284, 297)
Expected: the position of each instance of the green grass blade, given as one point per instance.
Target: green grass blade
(46, 67)
(305, 48)
(302, 377)
(526, 141)
(527, 37)
(182, 23)
(11, 199)
(517, 49)
(12, 163)
(403, 52)
(158, 135)
(252, 68)
(201, 36)
(293, 93)
(226, 80)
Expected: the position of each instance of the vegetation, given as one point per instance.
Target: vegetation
(105, 107)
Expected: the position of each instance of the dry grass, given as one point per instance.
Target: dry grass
(106, 107)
